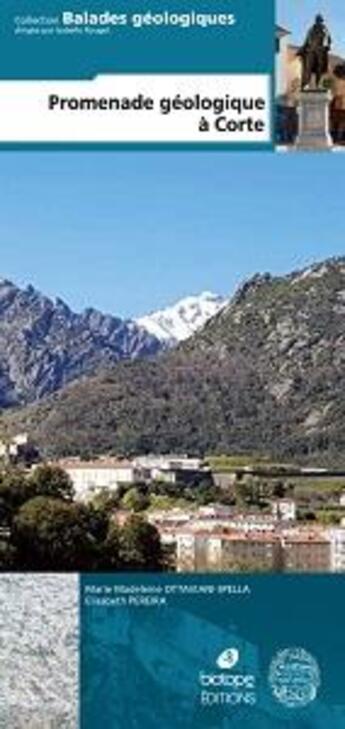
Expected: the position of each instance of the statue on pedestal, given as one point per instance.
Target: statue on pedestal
(315, 53)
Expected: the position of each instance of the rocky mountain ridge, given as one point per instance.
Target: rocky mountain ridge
(266, 374)
(44, 344)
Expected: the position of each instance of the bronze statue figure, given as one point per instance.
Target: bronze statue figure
(315, 53)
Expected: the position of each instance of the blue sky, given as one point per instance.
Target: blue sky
(128, 232)
(298, 15)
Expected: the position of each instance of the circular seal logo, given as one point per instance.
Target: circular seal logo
(294, 677)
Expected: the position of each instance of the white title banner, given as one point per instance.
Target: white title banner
(138, 108)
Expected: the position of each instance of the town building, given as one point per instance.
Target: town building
(230, 551)
(173, 469)
(337, 541)
(246, 551)
(103, 474)
(168, 462)
(306, 550)
(172, 518)
(284, 509)
(252, 522)
(215, 511)
(214, 517)
(284, 549)
(18, 449)
(281, 57)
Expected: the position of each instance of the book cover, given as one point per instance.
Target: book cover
(172, 348)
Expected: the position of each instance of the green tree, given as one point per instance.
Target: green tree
(328, 518)
(51, 534)
(279, 490)
(139, 546)
(166, 503)
(52, 481)
(95, 521)
(134, 500)
(241, 493)
(248, 491)
(15, 490)
(106, 501)
(7, 556)
(109, 557)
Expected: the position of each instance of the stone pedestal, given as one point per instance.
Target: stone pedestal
(314, 123)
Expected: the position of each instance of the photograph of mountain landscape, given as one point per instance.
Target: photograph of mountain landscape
(172, 352)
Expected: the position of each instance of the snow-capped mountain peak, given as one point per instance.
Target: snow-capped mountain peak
(178, 322)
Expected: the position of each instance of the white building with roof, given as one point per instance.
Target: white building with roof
(337, 540)
(284, 509)
(160, 464)
(104, 474)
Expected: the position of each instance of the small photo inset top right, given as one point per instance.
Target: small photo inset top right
(310, 75)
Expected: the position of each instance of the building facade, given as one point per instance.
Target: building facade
(337, 539)
(295, 549)
(104, 474)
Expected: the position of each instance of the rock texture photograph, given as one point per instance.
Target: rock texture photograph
(39, 628)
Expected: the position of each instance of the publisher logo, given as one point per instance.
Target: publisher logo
(294, 677)
(227, 687)
(228, 659)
